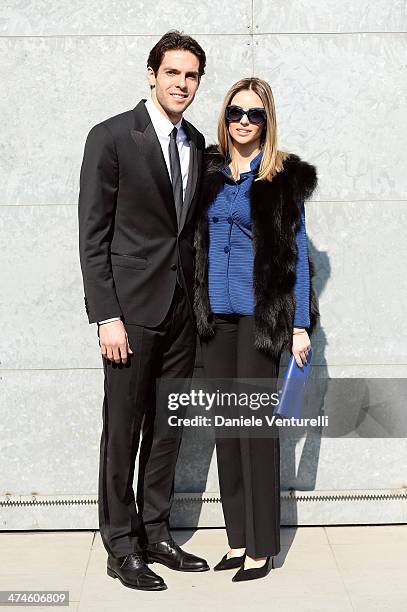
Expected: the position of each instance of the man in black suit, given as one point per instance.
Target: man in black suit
(139, 187)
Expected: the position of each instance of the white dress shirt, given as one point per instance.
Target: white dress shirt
(163, 128)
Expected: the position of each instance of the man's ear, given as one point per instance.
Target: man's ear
(150, 76)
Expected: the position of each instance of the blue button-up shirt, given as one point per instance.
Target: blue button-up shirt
(230, 271)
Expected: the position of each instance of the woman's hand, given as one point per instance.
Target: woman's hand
(301, 345)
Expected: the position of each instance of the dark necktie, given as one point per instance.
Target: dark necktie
(176, 177)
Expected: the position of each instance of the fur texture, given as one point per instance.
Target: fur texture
(275, 217)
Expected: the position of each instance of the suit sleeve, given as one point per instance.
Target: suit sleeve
(96, 211)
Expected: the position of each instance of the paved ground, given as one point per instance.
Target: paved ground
(319, 568)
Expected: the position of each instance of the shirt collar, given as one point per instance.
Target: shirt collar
(253, 164)
(256, 160)
(161, 124)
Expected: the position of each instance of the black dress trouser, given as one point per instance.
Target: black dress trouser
(248, 468)
(166, 351)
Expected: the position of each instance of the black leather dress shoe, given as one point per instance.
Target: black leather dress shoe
(253, 572)
(231, 563)
(132, 571)
(170, 554)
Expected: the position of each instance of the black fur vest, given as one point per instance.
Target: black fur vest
(275, 216)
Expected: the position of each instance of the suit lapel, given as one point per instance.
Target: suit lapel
(147, 142)
(191, 183)
(146, 139)
(192, 175)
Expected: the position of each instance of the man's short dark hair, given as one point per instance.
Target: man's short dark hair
(174, 41)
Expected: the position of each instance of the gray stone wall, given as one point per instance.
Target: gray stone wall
(338, 73)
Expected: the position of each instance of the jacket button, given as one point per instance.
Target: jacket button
(173, 266)
(215, 219)
(227, 249)
(230, 220)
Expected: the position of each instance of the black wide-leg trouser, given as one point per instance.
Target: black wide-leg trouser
(249, 468)
(129, 407)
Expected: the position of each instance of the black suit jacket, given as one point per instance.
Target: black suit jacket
(130, 245)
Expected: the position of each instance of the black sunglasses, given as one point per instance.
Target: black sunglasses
(257, 116)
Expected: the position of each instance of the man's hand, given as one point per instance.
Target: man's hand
(301, 345)
(113, 341)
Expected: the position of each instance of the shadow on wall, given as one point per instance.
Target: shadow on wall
(198, 443)
(301, 474)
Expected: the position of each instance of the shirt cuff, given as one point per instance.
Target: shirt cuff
(108, 320)
(302, 325)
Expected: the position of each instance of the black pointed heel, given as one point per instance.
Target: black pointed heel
(254, 572)
(231, 563)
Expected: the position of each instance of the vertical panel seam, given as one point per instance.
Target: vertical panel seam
(252, 36)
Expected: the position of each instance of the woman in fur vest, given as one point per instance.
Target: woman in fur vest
(253, 299)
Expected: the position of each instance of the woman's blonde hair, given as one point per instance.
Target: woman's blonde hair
(272, 158)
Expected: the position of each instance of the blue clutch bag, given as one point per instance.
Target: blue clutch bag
(291, 395)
